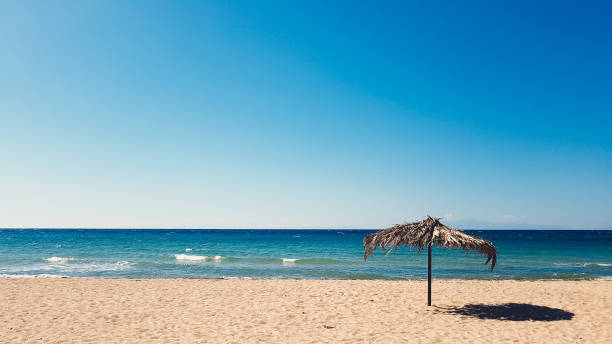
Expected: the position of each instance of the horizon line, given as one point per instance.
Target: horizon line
(303, 229)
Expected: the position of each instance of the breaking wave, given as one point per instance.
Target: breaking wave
(60, 260)
(194, 258)
(586, 265)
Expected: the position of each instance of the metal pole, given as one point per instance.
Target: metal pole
(429, 275)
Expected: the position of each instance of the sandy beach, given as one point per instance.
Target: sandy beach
(52, 310)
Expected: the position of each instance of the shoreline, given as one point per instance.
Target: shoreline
(114, 310)
(49, 276)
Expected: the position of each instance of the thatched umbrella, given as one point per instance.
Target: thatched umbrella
(427, 233)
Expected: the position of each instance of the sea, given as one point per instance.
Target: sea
(293, 254)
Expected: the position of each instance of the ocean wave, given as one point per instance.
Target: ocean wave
(597, 265)
(570, 276)
(285, 261)
(586, 265)
(261, 260)
(29, 267)
(95, 267)
(194, 258)
(60, 260)
(235, 277)
(555, 276)
(190, 257)
(322, 261)
(315, 261)
(76, 265)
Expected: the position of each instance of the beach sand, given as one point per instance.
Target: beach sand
(52, 310)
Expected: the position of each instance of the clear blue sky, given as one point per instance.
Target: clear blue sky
(284, 114)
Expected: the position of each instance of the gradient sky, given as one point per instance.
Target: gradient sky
(285, 114)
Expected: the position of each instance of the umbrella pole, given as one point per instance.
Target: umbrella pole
(429, 275)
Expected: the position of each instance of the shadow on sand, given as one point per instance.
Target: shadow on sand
(509, 311)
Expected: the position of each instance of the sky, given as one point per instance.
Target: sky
(313, 114)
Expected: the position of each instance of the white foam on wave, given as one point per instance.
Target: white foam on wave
(190, 257)
(585, 265)
(597, 265)
(28, 268)
(188, 250)
(55, 269)
(95, 267)
(195, 258)
(92, 267)
(289, 260)
(235, 277)
(60, 260)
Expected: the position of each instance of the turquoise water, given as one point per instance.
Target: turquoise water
(332, 254)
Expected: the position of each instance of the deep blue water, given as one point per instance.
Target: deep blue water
(336, 254)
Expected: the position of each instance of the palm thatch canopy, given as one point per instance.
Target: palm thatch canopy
(426, 233)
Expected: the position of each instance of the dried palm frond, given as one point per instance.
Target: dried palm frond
(430, 231)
